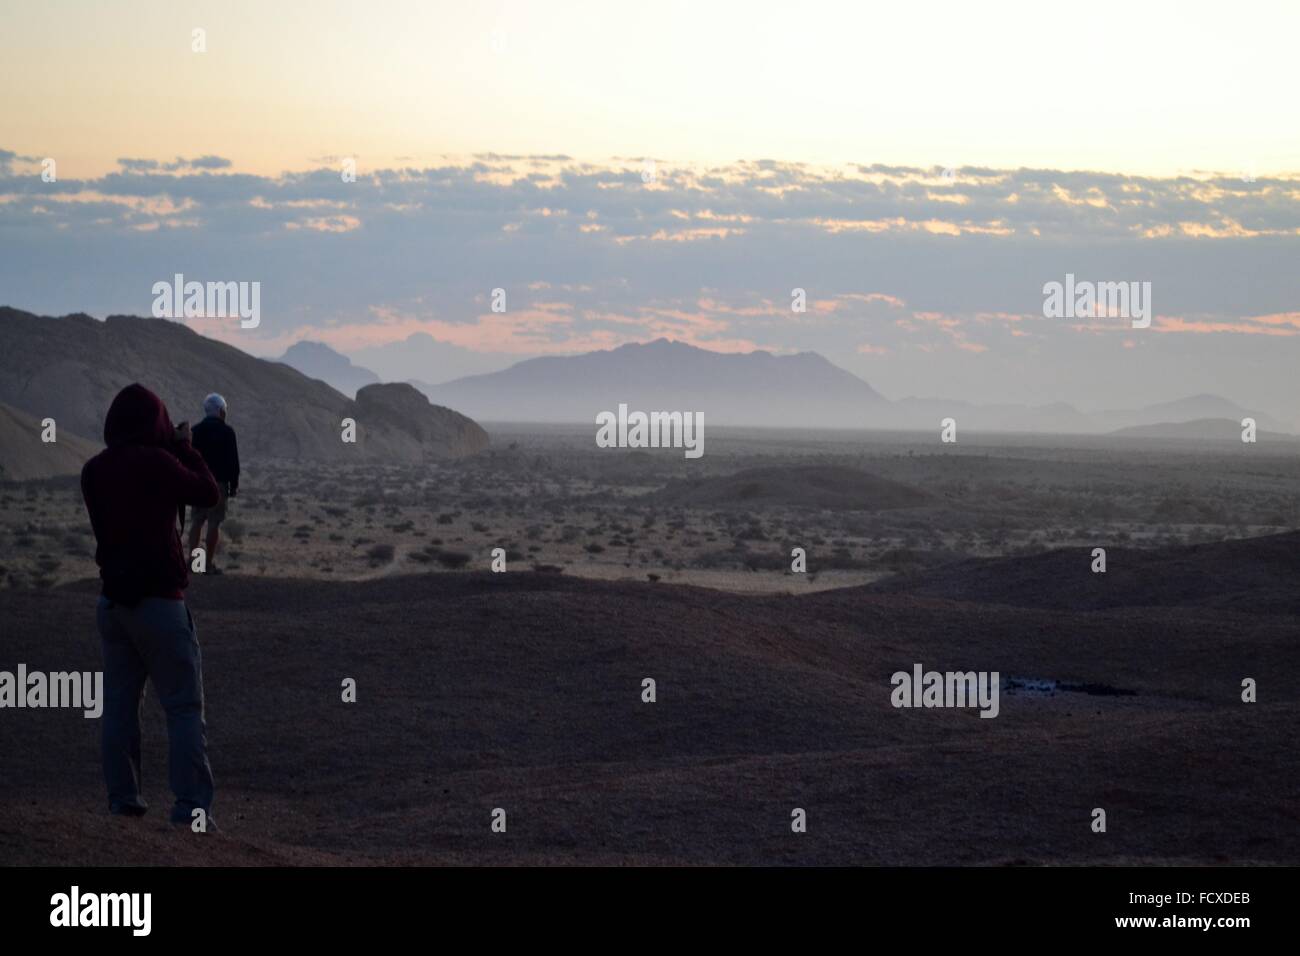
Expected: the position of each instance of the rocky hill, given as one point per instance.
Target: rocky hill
(70, 368)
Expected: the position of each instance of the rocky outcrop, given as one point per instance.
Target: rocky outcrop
(70, 368)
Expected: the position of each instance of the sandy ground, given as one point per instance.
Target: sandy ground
(523, 691)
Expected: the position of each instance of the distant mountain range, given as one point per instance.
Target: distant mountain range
(754, 388)
(1062, 418)
(421, 356)
(1195, 408)
(319, 361)
(759, 388)
(1200, 430)
(70, 368)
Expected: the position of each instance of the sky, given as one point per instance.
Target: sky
(625, 171)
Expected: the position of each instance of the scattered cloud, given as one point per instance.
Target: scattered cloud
(894, 260)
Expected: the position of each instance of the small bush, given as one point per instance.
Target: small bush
(380, 553)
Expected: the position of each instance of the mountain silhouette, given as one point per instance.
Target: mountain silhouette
(759, 388)
(754, 388)
(1190, 409)
(1199, 430)
(317, 360)
(70, 368)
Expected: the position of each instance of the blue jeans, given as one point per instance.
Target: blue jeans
(157, 640)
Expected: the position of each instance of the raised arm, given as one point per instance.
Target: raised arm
(187, 478)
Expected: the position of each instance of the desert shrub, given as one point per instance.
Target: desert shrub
(452, 559)
(901, 559)
(841, 559)
(715, 559)
(380, 553)
(764, 561)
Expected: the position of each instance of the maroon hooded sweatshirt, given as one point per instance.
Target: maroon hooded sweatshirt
(133, 490)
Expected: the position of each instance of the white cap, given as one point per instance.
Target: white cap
(214, 405)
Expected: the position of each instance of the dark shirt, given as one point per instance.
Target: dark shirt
(215, 441)
(133, 490)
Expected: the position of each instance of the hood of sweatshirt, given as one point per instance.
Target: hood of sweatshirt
(137, 417)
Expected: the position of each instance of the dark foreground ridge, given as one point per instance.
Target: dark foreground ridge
(523, 691)
(1251, 575)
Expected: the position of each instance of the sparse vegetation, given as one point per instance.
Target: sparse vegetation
(556, 502)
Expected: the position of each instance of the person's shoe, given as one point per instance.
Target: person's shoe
(213, 569)
(127, 809)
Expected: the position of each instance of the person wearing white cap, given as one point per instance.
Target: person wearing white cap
(215, 441)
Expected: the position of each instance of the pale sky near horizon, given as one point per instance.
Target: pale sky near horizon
(1142, 88)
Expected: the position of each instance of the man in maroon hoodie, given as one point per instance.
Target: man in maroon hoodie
(134, 490)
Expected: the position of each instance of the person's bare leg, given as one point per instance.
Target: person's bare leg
(214, 538)
(194, 541)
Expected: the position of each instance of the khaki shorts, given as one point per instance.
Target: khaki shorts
(211, 516)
